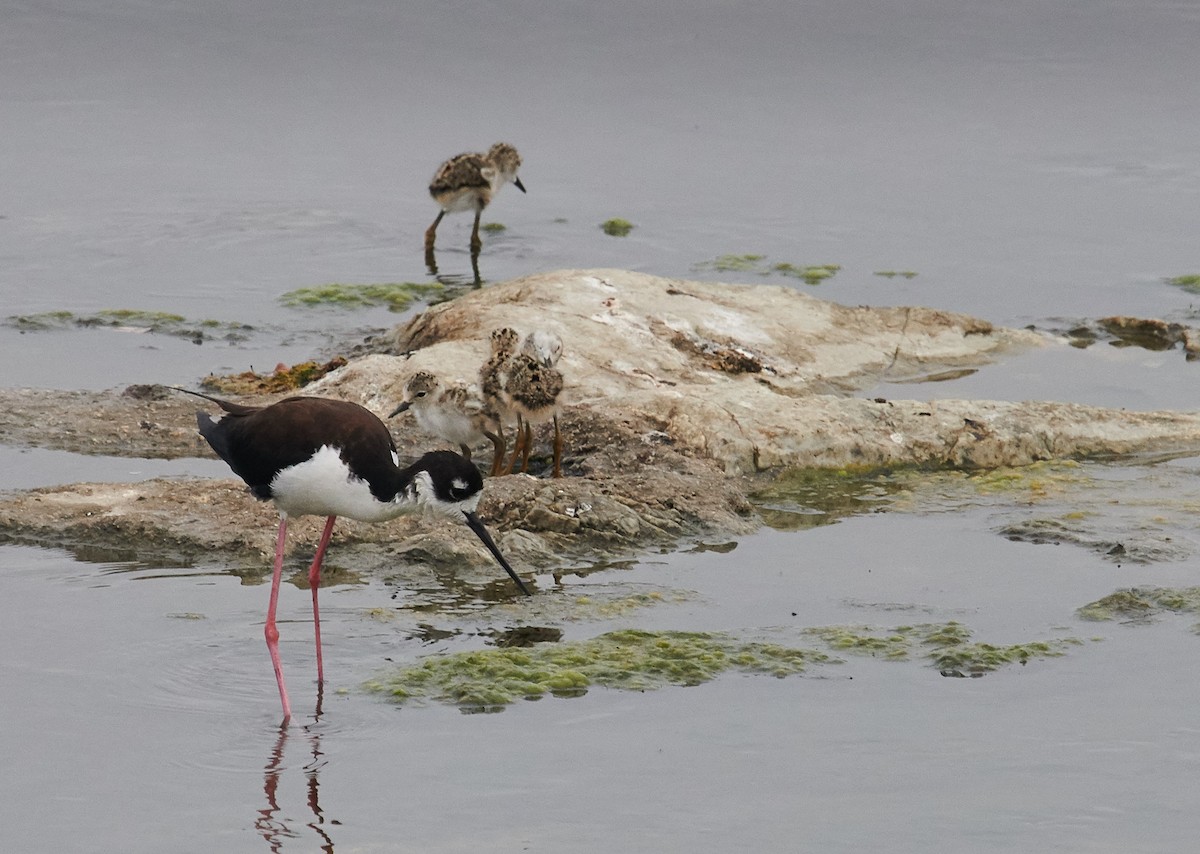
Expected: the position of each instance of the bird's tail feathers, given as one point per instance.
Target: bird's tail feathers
(227, 405)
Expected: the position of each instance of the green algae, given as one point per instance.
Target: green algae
(851, 491)
(1039, 479)
(947, 646)
(137, 317)
(156, 322)
(892, 274)
(493, 227)
(623, 605)
(862, 640)
(802, 498)
(1189, 282)
(980, 658)
(734, 264)
(41, 321)
(812, 274)
(395, 296)
(629, 660)
(617, 227)
(1125, 515)
(1139, 604)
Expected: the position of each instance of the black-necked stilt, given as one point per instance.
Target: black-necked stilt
(531, 388)
(321, 457)
(467, 182)
(454, 411)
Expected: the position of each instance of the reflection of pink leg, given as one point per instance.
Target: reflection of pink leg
(272, 633)
(314, 582)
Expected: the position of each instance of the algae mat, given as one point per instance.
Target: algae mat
(640, 660)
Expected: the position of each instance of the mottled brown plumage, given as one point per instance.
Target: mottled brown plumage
(454, 411)
(532, 385)
(492, 376)
(494, 373)
(468, 182)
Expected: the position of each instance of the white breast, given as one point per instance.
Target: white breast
(324, 486)
(465, 199)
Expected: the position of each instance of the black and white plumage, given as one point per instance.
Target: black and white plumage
(323, 457)
(467, 182)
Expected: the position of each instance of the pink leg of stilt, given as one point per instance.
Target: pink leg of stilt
(314, 582)
(270, 631)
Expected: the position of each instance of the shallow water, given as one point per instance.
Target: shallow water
(151, 725)
(27, 468)
(1030, 161)
(1027, 162)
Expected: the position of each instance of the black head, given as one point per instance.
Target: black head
(449, 483)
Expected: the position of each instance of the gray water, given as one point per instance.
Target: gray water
(1030, 161)
(1027, 160)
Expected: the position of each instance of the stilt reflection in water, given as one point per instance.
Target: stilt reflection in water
(269, 822)
(450, 279)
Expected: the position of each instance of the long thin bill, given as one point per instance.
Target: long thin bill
(480, 531)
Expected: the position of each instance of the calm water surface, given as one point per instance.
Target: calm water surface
(1032, 162)
(153, 726)
(1029, 160)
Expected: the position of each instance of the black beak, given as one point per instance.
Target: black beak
(520, 186)
(401, 408)
(475, 525)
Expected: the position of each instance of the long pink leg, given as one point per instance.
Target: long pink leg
(270, 631)
(314, 582)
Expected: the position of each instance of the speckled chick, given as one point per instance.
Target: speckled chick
(453, 411)
(468, 182)
(493, 374)
(532, 387)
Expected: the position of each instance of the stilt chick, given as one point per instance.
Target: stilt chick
(453, 411)
(467, 182)
(531, 389)
(493, 375)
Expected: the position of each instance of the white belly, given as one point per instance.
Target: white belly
(323, 486)
(452, 426)
(460, 200)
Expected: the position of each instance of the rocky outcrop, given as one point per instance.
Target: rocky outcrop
(680, 396)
